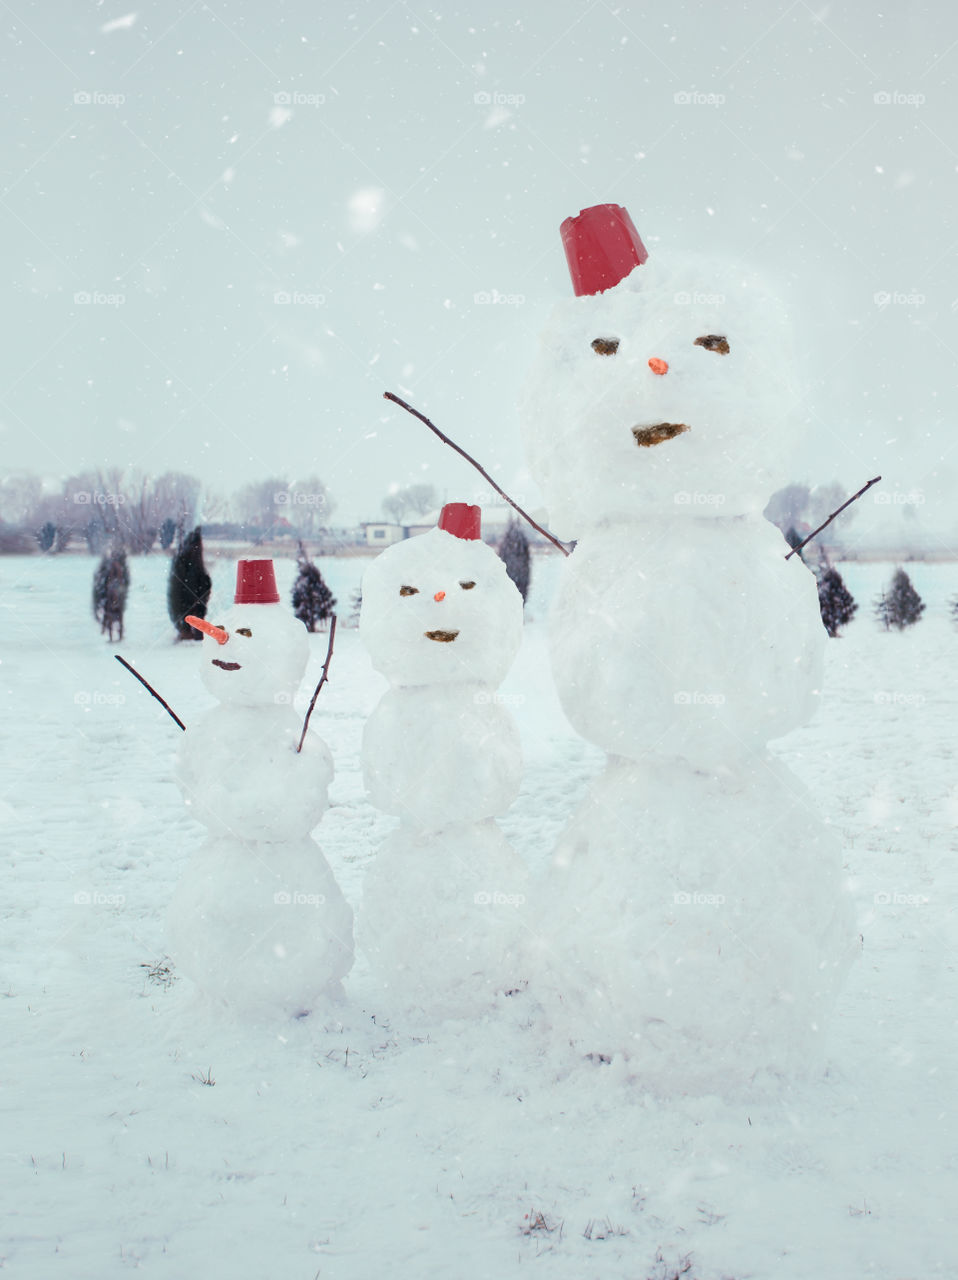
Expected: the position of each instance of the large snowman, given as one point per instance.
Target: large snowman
(442, 622)
(258, 920)
(695, 923)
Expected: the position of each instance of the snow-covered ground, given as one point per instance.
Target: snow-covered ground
(139, 1130)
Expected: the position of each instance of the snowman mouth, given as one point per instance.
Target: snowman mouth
(648, 436)
(444, 637)
(225, 666)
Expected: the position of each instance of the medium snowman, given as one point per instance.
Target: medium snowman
(695, 926)
(442, 622)
(258, 920)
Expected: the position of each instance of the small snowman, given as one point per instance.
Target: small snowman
(258, 920)
(695, 923)
(442, 621)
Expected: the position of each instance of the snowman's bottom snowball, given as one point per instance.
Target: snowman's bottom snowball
(262, 927)
(441, 918)
(695, 924)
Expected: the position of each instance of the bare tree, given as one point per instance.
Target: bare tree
(824, 499)
(20, 495)
(260, 503)
(310, 505)
(176, 496)
(787, 507)
(417, 498)
(394, 505)
(421, 498)
(132, 495)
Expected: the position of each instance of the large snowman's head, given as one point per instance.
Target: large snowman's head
(440, 608)
(663, 386)
(254, 654)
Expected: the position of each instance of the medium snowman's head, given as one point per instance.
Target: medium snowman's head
(662, 386)
(440, 608)
(256, 653)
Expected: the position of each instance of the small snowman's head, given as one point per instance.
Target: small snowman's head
(440, 608)
(256, 653)
(662, 388)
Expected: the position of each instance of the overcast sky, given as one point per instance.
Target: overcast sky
(228, 227)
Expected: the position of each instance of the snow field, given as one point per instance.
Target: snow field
(355, 1144)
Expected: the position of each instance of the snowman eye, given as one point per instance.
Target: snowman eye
(605, 346)
(243, 631)
(409, 591)
(713, 342)
(467, 586)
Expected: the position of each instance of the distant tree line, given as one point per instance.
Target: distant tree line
(112, 508)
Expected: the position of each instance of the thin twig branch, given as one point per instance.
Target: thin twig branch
(853, 498)
(322, 681)
(162, 701)
(388, 395)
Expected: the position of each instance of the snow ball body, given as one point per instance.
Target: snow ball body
(695, 638)
(435, 755)
(441, 918)
(438, 609)
(261, 928)
(585, 407)
(693, 925)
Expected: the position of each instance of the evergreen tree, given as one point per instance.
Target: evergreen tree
(901, 606)
(313, 602)
(514, 551)
(794, 539)
(111, 583)
(189, 585)
(47, 536)
(167, 533)
(95, 534)
(835, 601)
(355, 607)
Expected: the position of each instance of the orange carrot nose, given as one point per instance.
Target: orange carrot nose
(440, 595)
(216, 633)
(658, 366)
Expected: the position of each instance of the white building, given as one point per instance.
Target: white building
(381, 534)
